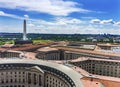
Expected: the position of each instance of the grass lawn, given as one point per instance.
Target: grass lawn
(41, 41)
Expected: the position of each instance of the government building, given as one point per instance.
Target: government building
(37, 73)
(59, 66)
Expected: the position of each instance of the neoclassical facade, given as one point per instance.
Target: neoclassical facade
(36, 73)
(21, 77)
(100, 66)
(48, 53)
(9, 54)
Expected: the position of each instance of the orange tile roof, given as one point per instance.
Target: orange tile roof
(89, 58)
(2, 49)
(30, 55)
(95, 82)
(7, 45)
(89, 52)
(28, 47)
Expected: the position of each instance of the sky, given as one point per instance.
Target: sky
(61, 16)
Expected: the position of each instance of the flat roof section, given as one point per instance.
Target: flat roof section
(90, 52)
(47, 49)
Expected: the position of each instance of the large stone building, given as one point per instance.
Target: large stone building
(37, 73)
(48, 53)
(99, 66)
(9, 54)
(77, 68)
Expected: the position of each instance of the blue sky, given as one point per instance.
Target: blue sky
(61, 16)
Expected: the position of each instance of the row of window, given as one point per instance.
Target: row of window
(9, 54)
(100, 69)
(19, 77)
(53, 81)
(45, 68)
(14, 86)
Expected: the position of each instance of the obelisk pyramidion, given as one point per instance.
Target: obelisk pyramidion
(24, 30)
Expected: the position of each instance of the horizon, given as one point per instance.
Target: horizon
(61, 16)
(58, 33)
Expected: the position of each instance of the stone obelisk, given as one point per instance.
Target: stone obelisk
(24, 30)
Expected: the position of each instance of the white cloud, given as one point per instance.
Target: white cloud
(42, 26)
(53, 7)
(58, 25)
(98, 21)
(67, 21)
(117, 24)
(31, 25)
(26, 16)
(59, 21)
(87, 18)
(95, 21)
(14, 16)
(2, 13)
(90, 29)
(64, 25)
(10, 15)
(110, 21)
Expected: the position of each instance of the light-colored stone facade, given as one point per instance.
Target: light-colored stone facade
(52, 55)
(68, 55)
(105, 68)
(9, 54)
(11, 76)
(22, 77)
(52, 80)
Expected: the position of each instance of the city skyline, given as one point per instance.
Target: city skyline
(61, 16)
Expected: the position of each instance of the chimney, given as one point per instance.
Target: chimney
(24, 30)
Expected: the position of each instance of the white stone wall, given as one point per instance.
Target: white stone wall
(104, 68)
(52, 80)
(30, 77)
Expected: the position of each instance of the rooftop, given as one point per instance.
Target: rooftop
(110, 45)
(90, 52)
(89, 58)
(46, 49)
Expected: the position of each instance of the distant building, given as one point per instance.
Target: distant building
(48, 53)
(94, 40)
(83, 40)
(106, 40)
(116, 40)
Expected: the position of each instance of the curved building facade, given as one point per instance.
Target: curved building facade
(37, 73)
(10, 54)
(96, 66)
